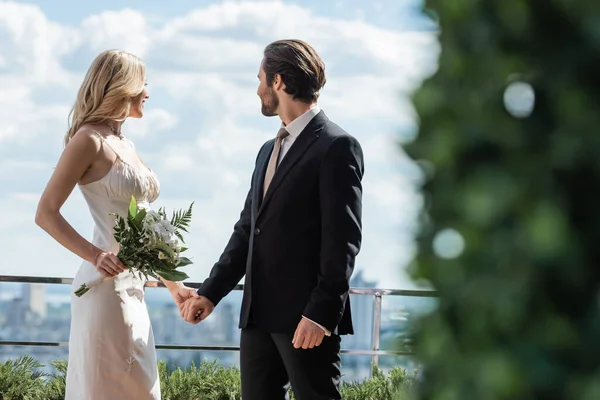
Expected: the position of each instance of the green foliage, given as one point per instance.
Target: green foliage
(210, 381)
(56, 383)
(397, 385)
(20, 380)
(182, 219)
(518, 314)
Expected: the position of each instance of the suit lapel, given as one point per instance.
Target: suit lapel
(302, 143)
(259, 179)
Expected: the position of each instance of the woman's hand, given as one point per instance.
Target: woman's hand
(182, 294)
(109, 264)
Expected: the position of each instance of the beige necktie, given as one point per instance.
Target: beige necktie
(274, 158)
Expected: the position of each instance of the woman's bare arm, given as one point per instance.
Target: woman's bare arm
(76, 159)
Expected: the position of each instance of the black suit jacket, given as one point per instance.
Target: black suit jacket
(297, 246)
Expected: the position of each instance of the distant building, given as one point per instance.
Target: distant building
(362, 315)
(34, 298)
(226, 324)
(164, 323)
(16, 313)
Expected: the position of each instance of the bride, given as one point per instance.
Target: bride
(111, 345)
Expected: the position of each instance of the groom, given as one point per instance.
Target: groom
(296, 239)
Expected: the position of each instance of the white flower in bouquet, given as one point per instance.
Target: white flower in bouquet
(150, 244)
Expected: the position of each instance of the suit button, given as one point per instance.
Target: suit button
(257, 232)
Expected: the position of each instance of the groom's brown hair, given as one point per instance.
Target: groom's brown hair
(299, 66)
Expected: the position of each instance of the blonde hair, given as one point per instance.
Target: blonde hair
(113, 80)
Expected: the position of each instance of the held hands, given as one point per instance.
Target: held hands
(196, 309)
(108, 264)
(192, 307)
(308, 335)
(182, 294)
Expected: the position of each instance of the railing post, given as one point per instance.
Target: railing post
(376, 330)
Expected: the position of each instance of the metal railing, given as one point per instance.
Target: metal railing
(374, 352)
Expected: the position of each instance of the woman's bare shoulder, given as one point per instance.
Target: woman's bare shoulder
(87, 136)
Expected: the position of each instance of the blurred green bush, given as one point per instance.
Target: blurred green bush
(511, 226)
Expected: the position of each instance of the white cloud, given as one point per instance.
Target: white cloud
(214, 94)
(28, 165)
(227, 141)
(32, 45)
(22, 117)
(364, 97)
(247, 16)
(125, 29)
(19, 212)
(247, 27)
(155, 120)
(202, 126)
(177, 158)
(182, 51)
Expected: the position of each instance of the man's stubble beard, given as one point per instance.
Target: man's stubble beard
(269, 109)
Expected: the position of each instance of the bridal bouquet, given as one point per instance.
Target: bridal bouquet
(150, 244)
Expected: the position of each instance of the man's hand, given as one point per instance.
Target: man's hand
(196, 309)
(182, 294)
(307, 335)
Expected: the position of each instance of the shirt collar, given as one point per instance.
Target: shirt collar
(296, 127)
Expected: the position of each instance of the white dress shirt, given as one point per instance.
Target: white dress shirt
(295, 128)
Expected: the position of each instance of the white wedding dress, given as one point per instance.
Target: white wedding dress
(111, 345)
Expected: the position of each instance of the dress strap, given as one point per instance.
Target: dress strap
(103, 141)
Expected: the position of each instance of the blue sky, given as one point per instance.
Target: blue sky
(203, 125)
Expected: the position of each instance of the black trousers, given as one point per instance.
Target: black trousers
(269, 363)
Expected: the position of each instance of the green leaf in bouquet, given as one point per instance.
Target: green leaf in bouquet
(152, 274)
(166, 249)
(149, 258)
(183, 249)
(132, 207)
(139, 218)
(183, 261)
(181, 220)
(155, 263)
(173, 275)
(119, 223)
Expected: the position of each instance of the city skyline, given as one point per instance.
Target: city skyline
(27, 315)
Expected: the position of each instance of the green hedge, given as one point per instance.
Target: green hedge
(518, 315)
(21, 379)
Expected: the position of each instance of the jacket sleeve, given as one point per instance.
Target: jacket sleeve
(231, 267)
(340, 186)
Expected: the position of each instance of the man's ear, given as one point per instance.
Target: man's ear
(278, 82)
